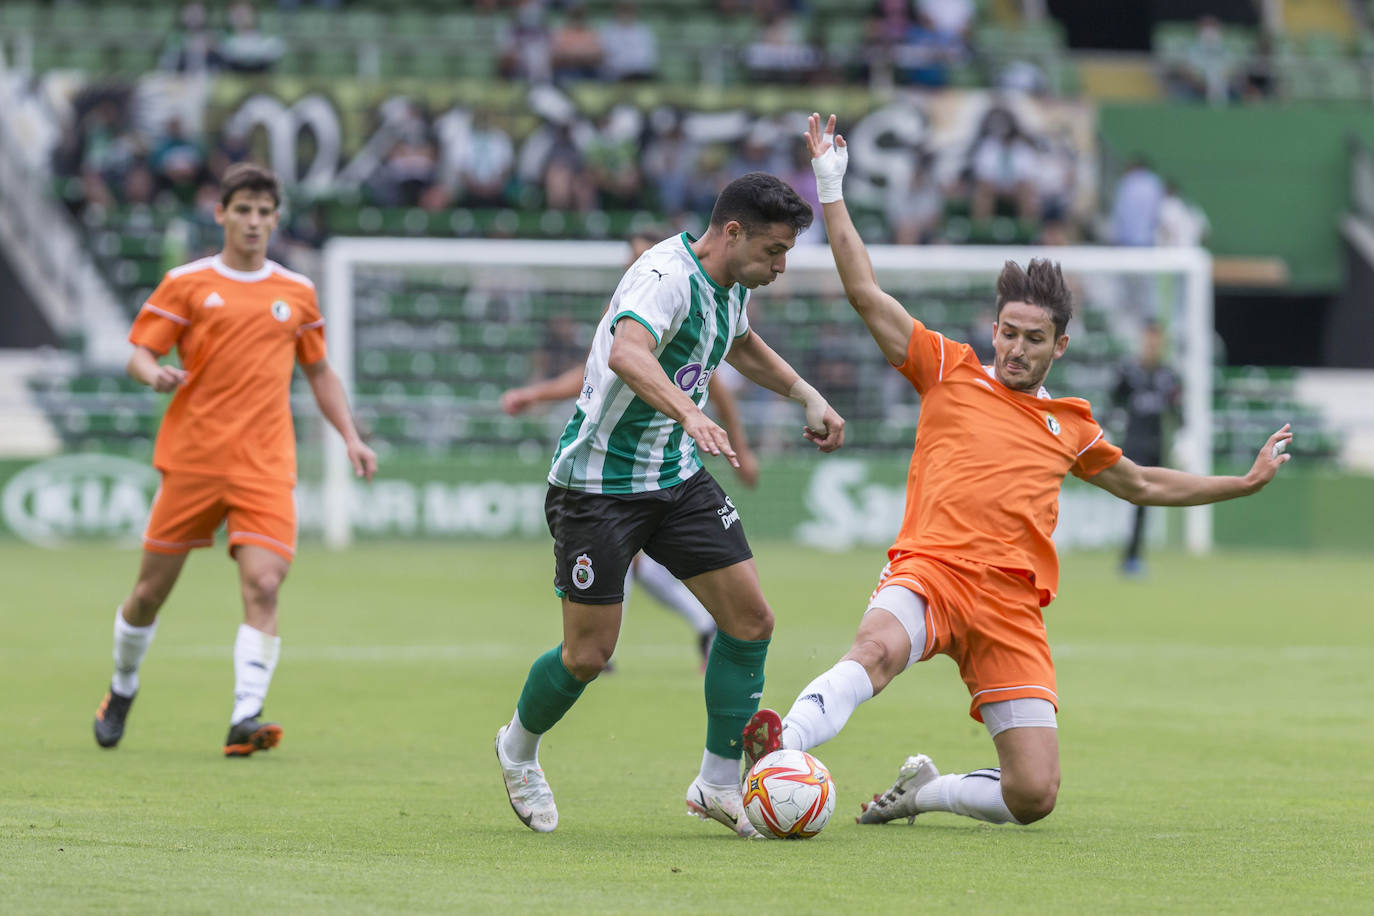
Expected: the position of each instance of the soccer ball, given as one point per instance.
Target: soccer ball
(788, 794)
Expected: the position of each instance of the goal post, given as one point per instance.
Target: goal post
(933, 282)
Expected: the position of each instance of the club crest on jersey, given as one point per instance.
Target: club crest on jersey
(1052, 422)
(280, 310)
(692, 377)
(582, 574)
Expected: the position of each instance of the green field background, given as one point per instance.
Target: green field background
(1215, 719)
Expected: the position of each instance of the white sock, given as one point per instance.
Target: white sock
(519, 744)
(255, 658)
(130, 645)
(719, 771)
(977, 795)
(671, 593)
(825, 705)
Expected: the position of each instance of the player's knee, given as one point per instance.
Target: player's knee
(880, 660)
(585, 662)
(755, 623)
(1031, 800)
(260, 587)
(147, 599)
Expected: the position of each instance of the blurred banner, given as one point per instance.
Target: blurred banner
(831, 502)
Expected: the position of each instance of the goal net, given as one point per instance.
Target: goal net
(427, 333)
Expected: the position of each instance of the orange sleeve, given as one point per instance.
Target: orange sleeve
(163, 319)
(1097, 455)
(926, 355)
(310, 335)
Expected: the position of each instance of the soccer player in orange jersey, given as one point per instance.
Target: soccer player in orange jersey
(227, 446)
(974, 562)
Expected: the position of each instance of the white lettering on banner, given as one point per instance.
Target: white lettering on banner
(487, 508)
(72, 496)
(846, 511)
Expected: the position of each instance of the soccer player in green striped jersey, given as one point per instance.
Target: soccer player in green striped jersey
(626, 477)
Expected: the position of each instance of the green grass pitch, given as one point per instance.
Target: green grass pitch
(1216, 727)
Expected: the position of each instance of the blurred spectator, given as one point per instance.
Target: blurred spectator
(887, 22)
(576, 47)
(1057, 178)
(564, 346)
(1180, 222)
(669, 161)
(526, 47)
(1135, 209)
(192, 48)
(612, 157)
(409, 168)
(245, 49)
(948, 17)
(926, 54)
(485, 163)
(779, 50)
(178, 162)
(1207, 69)
(914, 211)
(631, 48)
(105, 151)
(1148, 392)
(757, 152)
(139, 185)
(1004, 162)
(566, 183)
(802, 179)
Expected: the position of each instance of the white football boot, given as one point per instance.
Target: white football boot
(900, 800)
(719, 803)
(530, 796)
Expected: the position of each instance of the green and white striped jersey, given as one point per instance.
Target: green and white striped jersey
(615, 442)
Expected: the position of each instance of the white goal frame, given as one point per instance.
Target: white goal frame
(1193, 444)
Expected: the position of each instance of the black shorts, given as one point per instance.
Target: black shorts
(691, 528)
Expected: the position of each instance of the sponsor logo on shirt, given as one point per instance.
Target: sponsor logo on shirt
(213, 301)
(728, 513)
(692, 377)
(280, 310)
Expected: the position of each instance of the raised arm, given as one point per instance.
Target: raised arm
(1151, 486)
(759, 363)
(887, 320)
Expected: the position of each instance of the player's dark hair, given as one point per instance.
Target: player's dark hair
(758, 199)
(247, 176)
(1041, 283)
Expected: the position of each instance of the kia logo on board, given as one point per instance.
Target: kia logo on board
(79, 496)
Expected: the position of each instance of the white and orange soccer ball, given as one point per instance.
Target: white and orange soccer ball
(788, 794)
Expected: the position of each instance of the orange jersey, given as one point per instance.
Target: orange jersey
(989, 462)
(239, 335)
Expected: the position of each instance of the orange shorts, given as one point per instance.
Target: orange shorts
(987, 619)
(189, 507)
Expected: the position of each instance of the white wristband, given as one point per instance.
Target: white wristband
(830, 188)
(815, 405)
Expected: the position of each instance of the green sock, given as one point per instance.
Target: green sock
(549, 692)
(734, 685)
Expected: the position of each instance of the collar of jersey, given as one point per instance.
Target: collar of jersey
(992, 374)
(243, 276)
(687, 240)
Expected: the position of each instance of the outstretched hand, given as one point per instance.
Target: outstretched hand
(1271, 455)
(829, 157)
